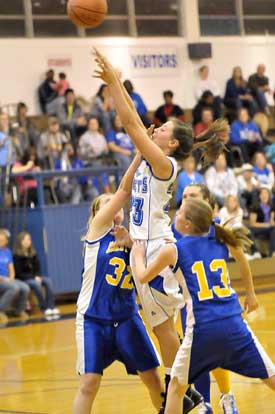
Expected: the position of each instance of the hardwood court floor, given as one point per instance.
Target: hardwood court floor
(37, 372)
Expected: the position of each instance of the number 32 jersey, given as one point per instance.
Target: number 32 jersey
(205, 281)
(107, 291)
(150, 202)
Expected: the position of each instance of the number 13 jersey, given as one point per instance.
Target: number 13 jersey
(150, 203)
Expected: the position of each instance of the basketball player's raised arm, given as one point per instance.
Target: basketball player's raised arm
(103, 220)
(250, 303)
(167, 257)
(127, 113)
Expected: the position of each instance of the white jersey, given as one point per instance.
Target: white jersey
(150, 202)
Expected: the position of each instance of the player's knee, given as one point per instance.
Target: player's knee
(152, 379)
(89, 384)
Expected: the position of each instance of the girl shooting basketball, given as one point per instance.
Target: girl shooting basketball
(108, 326)
(151, 193)
(216, 335)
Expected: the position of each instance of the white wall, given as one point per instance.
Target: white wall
(24, 61)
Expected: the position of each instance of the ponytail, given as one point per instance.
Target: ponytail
(212, 141)
(235, 237)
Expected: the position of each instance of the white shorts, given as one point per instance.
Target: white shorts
(158, 306)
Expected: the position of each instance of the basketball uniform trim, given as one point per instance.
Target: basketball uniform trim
(181, 365)
(99, 238)
(163, 179)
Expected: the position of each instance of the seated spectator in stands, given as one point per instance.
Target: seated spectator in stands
(46, 91)
(12, 292)
(270, 154)
(206, 101)
(237, 94)
(205, 84)
(231, 212)
(76, 189)
(138, 101)
(25, 127)
(92, 144)
(168, 110)
(120, 144)
(27, 270)
(221, 180)
(258, 83)
(206, 120)
(27, 186)
(187, 176)
(102, 107)
(71, 116)
(261, 219)
(248, 186)
(263, 171)
(8, 144)
(62, 84)
(52, 141)
(246, 134)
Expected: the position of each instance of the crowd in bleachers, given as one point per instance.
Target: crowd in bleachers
(82, 134)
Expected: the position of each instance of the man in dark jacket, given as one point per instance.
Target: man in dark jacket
(46, 92)
(259, 85)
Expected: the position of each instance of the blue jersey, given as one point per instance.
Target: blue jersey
(107, 291)
(206, 285)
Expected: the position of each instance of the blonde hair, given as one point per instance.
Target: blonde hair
(200, 213)
(5, 233)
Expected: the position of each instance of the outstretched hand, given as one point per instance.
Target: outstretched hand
(122, 237)
(105, 70)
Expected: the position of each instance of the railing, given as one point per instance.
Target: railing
(40, 176)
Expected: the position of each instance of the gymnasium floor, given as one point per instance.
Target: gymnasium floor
(37, 371)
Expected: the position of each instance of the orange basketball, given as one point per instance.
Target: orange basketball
(87, 13)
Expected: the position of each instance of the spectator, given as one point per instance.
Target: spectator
(248, 186)
(231, 212)
(62, 85)
(27, 186)
(25, 129)
(74, 189)
(47, 92)
(71, 117)
(261, 219)
(168, 110)
(103, 108)
(138, 101)
(120, 144)
(237, 94)
(27, 268)
(92, 144)
(263, 170)
(52, 141)
(221, 180)
(206, 101)
(259, 85)
(187, 176)
(12, 292)
(206, 120)
(270, 154)
(205, 84)
(246, 134)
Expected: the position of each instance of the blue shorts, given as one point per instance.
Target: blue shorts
(100, 343)
(229, 344)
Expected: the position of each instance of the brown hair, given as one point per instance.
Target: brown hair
(205, 192)
(18, 248)
(211, 141)
(200, 213)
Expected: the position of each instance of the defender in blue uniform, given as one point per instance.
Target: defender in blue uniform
(216, 334)
(108, 326)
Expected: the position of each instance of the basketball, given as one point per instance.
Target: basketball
(87, 13)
